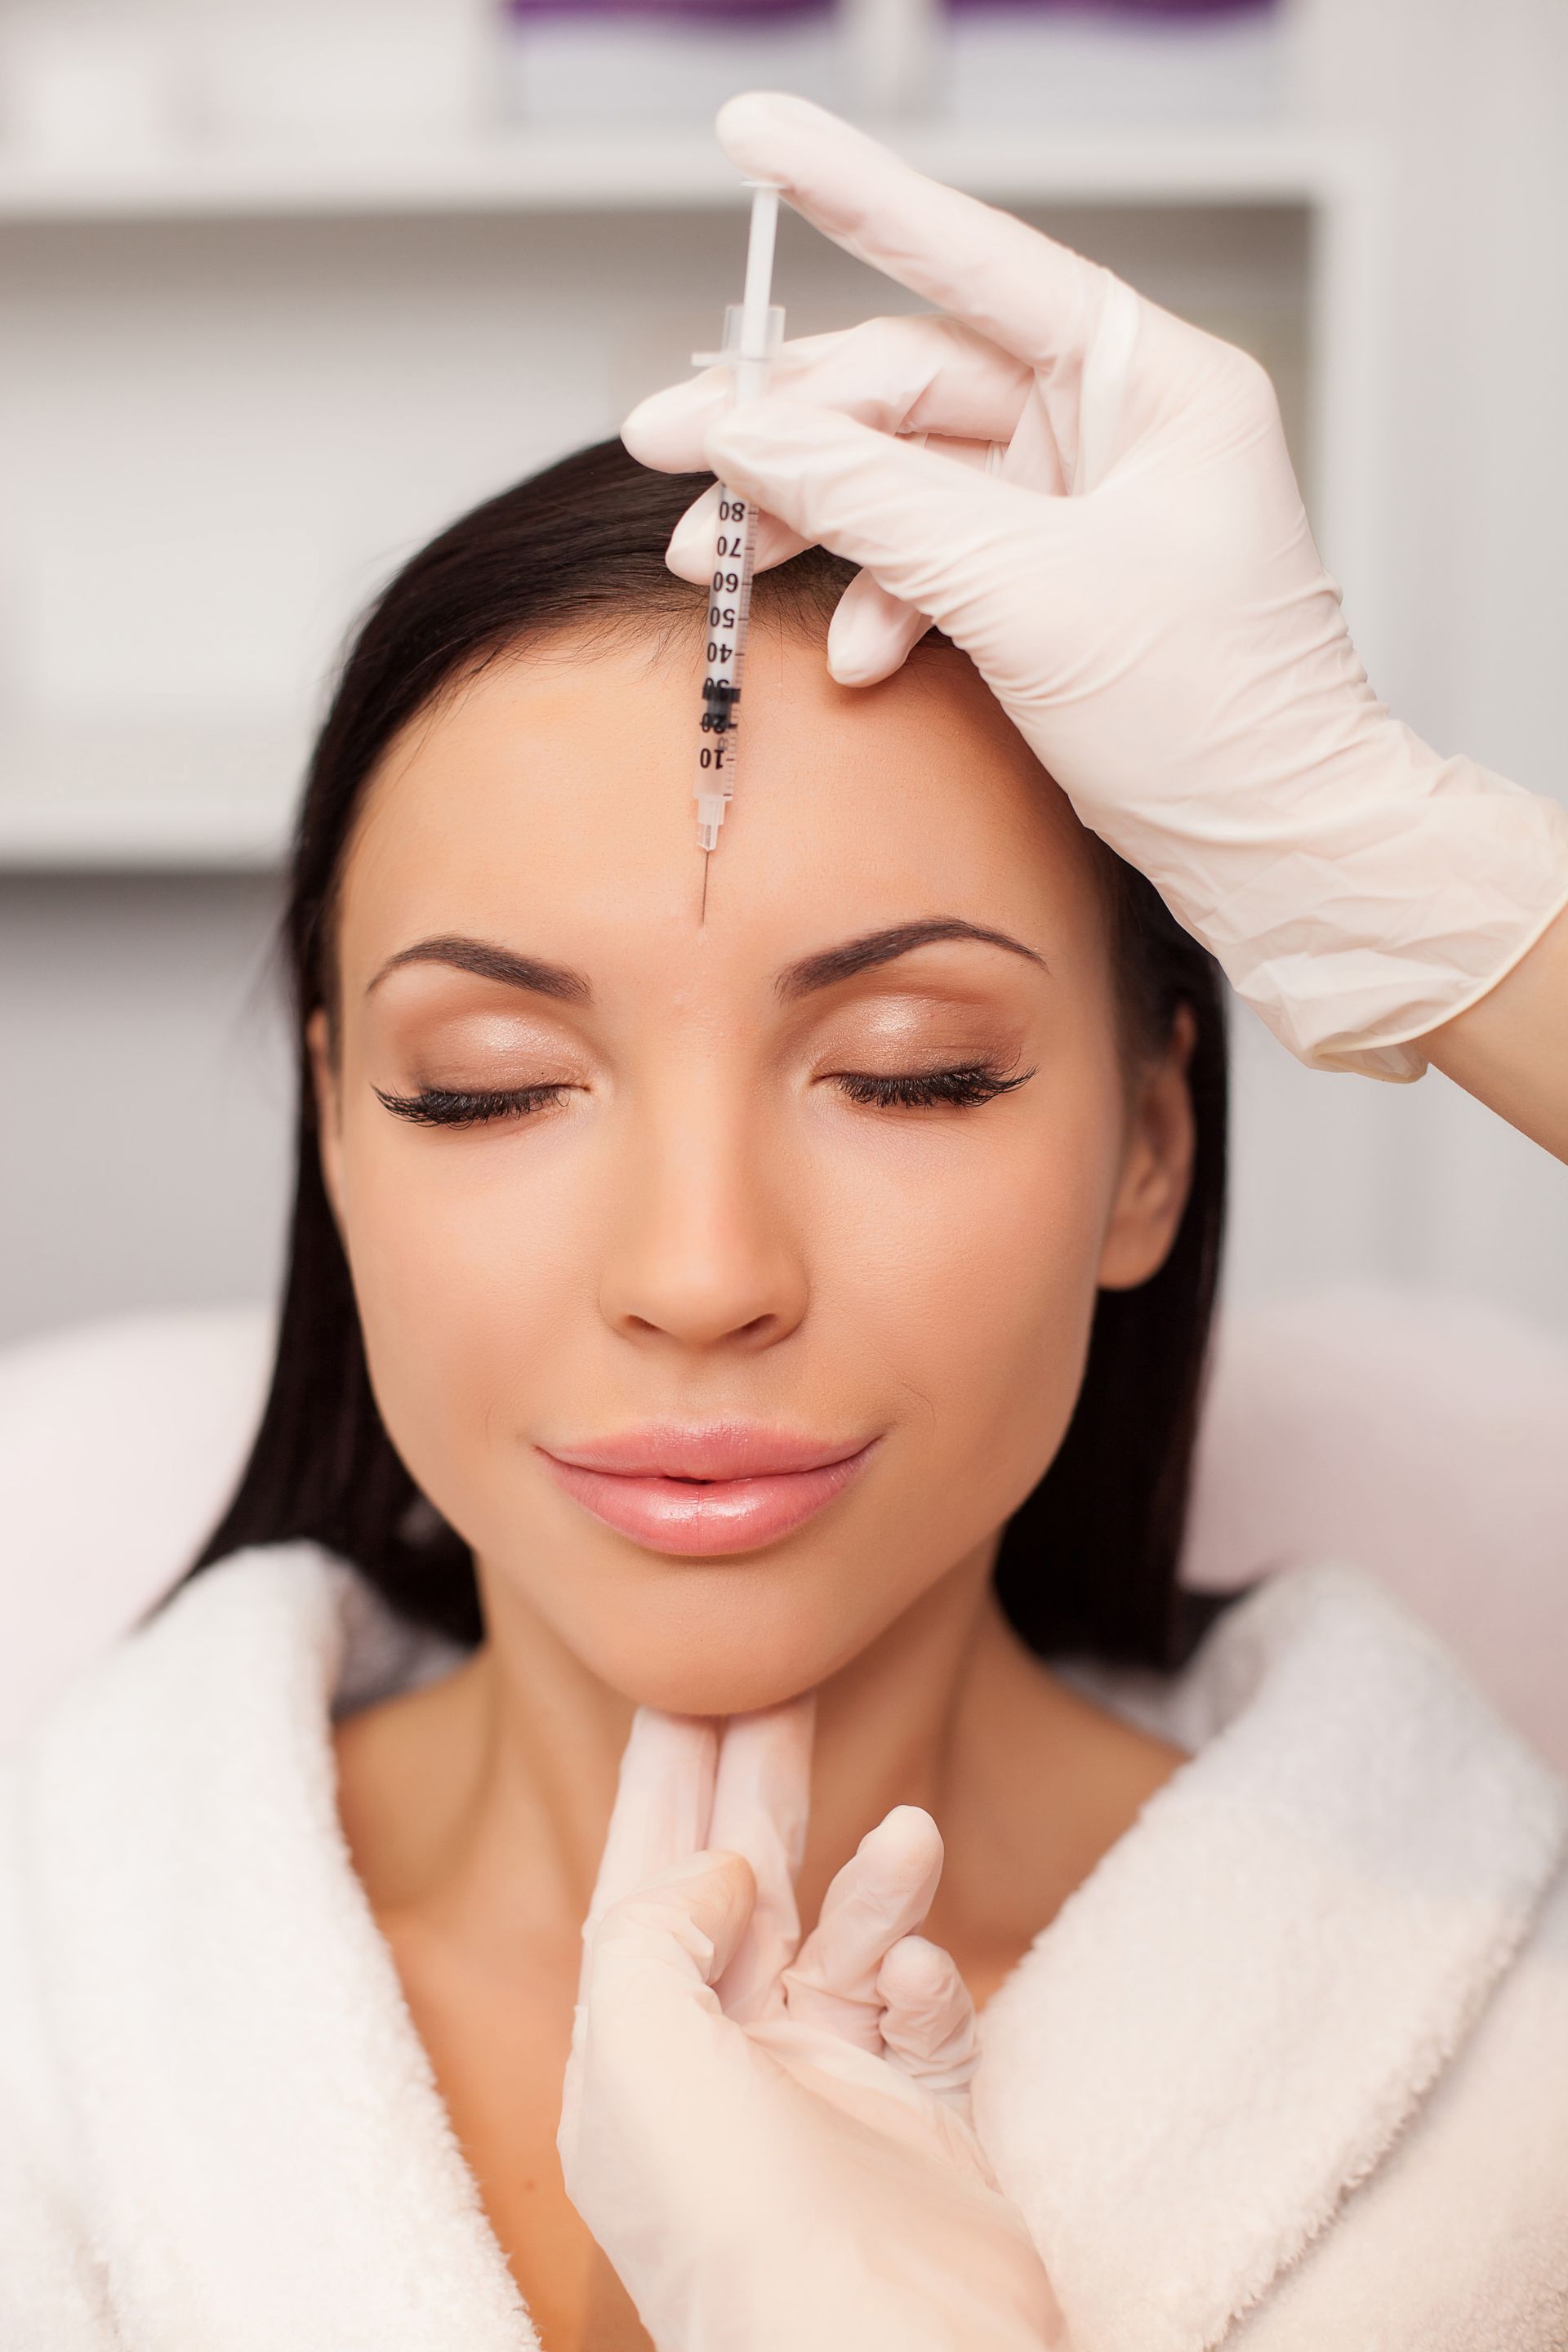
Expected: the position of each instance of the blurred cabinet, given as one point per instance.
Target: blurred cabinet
(237, 388)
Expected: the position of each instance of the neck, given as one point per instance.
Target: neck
(480, 1804)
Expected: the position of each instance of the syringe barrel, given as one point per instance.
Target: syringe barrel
(753, 330)
(710, 817)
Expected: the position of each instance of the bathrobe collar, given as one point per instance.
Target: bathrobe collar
(267, 2159)
(1222, 2028)
(1228, 2021)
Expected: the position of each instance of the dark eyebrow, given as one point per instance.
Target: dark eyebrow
(884, 946)
(489, 962)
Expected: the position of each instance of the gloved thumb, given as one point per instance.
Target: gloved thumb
(649, 1963)
(685, 1922)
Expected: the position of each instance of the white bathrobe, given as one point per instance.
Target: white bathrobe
(1288, 2073)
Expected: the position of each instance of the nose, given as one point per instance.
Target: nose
(703, 1253)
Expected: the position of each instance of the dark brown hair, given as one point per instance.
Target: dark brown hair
(1088, 1560)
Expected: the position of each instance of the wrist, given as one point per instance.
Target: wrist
(1399, 896)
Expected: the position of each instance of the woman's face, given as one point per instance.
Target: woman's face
(728, 1283)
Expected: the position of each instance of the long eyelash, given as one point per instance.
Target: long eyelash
(442, 1107)
(924, 1089)
(956, 1089)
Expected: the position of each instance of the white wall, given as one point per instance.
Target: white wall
(1469, 107)
(146, 1091)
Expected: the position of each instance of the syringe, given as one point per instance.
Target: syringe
(754, 328)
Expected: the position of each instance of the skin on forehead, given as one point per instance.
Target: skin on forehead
(575, 822)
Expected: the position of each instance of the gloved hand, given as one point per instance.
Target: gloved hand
(773, 2147)
(1137, 584)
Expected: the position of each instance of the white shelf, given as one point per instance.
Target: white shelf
(142, 836)
(193, 800)
(212, 799)
(541, 173)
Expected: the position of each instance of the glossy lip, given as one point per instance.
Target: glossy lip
(700, 1492)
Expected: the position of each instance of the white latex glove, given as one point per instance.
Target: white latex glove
(772, 2146)
(1138, 585)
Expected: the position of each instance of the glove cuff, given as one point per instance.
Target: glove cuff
(1435, 879)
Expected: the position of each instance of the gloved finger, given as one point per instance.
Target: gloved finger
(649, 1958)
(872, 632)
(929, 2024)
(883, 1890)
(689, 554)
(1039, 299)
(761, 1803)
(933, 533)
(664, 1799)
(920, 374)
(691, 550)
(677, 415)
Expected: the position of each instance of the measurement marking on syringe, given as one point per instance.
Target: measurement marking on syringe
(752, 332)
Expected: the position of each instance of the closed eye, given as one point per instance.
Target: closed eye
(956, 1089)
(959, 1089)
(448, 1106)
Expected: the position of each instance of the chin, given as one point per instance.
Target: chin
(739, 1661)
(705, 1686)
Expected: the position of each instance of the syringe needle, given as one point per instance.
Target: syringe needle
(707, 866)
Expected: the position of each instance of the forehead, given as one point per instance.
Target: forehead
(548, 805)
